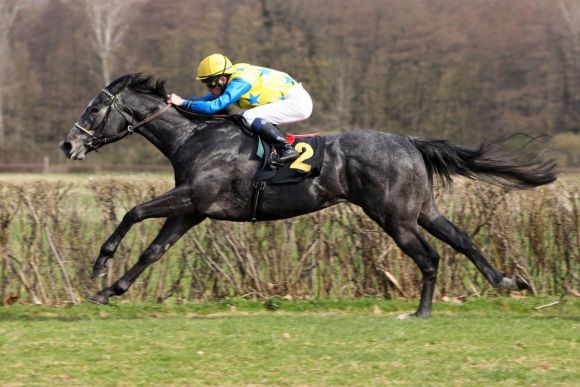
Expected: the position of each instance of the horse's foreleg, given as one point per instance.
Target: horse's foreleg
(172, 230)
(172, 203)
(441, 228)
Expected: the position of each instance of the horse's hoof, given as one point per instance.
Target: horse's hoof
(98, 272)
(522, 283)
(508, 283)
(411, 315)
(517, 282)
(98, 299)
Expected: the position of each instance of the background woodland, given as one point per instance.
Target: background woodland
(463, 70)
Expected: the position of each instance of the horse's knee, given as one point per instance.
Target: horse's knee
(152, 254)
(133, 216)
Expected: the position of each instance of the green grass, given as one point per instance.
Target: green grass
(497, 341)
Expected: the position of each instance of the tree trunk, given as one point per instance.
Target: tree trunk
(109, 20)
(2, 129)
(8, 11)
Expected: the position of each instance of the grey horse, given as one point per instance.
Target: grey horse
(390, 176)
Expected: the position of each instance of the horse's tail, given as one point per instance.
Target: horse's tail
(483, 163)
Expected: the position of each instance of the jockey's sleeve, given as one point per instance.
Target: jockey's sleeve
(207, 97)
(235, 89)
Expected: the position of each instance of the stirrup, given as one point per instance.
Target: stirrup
(287, 155)
(275, 163)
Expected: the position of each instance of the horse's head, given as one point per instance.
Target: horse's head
(106, 119)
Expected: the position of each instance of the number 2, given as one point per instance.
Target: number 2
(306, 152)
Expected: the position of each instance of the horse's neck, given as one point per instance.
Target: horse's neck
(170, 131)
(166, 134)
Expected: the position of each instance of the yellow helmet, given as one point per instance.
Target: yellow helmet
(215, 64)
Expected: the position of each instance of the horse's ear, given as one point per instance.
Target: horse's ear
(123, 81)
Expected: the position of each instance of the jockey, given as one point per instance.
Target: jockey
(269, 98)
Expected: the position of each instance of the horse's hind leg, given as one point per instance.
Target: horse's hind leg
(405, 233)
(172, 230)
(408, 238)
(440, 227)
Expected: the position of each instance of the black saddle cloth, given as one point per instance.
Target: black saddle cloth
(308, 164)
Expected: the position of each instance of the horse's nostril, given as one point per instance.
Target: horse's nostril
(66, 147)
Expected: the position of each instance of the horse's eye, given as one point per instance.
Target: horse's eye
(95, 110)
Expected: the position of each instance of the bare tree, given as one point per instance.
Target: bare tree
(8, 11)
(109, 21)
(571, 12)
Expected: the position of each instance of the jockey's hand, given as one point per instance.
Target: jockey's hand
(175, 99)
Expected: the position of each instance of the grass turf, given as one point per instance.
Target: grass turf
(496, 341)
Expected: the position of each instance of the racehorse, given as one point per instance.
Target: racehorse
(390, 176)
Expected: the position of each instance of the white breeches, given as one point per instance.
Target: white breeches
(296, 106)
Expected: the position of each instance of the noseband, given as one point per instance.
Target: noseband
(97, 137)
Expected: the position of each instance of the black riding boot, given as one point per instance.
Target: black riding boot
(274, 137)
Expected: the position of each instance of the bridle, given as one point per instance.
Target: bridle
(98, 138)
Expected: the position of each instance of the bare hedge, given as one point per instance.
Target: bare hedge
(51, 233)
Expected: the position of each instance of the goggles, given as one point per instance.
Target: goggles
(211, 82)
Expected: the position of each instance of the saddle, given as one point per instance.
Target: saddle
(307, 165)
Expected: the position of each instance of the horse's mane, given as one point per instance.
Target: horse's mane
(148, 84)
(141, 83)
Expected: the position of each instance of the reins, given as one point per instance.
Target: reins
(149, 118)
(194, 114)
(97, 139)
(237, 118)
